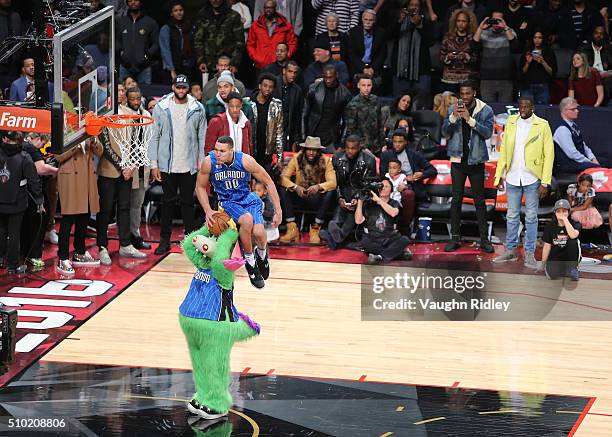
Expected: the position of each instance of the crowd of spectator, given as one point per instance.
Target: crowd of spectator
(348, 89)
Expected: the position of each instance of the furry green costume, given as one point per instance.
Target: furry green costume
(210, 321)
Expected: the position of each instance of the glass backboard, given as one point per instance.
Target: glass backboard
(83, 71)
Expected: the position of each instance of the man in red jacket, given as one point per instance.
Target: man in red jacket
(270, 29)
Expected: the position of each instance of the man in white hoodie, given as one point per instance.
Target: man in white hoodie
(176, 147)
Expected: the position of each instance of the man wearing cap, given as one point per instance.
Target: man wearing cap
(226, 84)
(324, 109)
(176, 147)
(322, 58)
(309, 182)
(525, 166)
(561, 251)
(224, 63)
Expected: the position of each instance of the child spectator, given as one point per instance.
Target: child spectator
(561, 252)
(581, 197)
(268, 210)
(397, 178)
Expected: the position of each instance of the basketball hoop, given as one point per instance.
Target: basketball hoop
(131, 132)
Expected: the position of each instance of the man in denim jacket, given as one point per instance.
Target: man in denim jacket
(468, 125)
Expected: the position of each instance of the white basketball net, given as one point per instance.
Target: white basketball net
(133, 142)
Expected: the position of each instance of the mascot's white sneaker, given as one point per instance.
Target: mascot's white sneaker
(203, 411)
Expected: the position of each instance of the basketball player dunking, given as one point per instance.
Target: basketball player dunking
(230, 173)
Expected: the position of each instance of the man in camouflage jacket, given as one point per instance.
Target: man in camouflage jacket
(218, 29)
(363, 116)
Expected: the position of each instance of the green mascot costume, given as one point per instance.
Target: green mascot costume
(210, 321)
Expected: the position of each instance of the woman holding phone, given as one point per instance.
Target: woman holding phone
(538, 69)
(456, 53)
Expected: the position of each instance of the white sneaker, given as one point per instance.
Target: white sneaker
(131, 252)
(51, 237)
(85, 260)
(105, 258)
(65, 267)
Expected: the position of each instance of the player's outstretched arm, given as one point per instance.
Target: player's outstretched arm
(262, 176)
(202, 183)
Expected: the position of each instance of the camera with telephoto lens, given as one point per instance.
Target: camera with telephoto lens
(493, 21)
(364, 184)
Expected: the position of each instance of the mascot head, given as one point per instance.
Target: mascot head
(207, 252)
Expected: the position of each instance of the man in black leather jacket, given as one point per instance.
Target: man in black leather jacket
(323, 110)
(292, 97)
(353, 158)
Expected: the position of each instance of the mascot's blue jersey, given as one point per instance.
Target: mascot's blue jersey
(231, 182)
(207, 300)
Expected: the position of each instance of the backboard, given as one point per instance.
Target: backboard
(83, 72)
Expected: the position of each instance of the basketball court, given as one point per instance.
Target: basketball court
(102, 353)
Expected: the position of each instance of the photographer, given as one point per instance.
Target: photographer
(496, 43)
(381, 240)
(354, 162)
(309, 182)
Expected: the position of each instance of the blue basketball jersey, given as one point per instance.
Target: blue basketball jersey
(207, 300)
(231, 182)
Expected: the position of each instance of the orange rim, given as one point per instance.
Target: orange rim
(95, 123)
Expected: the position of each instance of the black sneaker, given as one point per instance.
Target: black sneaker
(406, 256)
(203, 411)
(263, 265)
(452, 246)
(164, 247)
(255, 276)
(139, 243)
(486, 246)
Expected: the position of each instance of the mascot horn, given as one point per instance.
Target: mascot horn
(210, 321)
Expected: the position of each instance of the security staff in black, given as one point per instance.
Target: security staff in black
(17, 175)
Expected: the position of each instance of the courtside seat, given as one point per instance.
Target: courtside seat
(152, 200)
(564, 180)
(440, 206)
(602, 202)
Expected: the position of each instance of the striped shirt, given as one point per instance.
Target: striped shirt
(347, 11)
(207, 300)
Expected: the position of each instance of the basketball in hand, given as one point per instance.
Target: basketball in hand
(220, 223)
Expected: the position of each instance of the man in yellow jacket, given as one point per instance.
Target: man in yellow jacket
(525, 166)
(309, 182)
